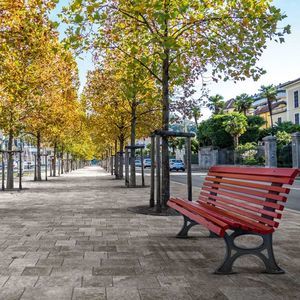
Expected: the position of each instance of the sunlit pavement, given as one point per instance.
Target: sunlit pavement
(73, 238)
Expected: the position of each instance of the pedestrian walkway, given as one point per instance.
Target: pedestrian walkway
(73, 238)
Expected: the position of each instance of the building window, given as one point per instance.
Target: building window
(296, 99)
(279, 121)
(297, 119)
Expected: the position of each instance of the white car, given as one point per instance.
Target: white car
(147, 163)
(138, 163)
(177, 165)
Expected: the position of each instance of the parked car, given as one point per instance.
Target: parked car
(177, 165)
(138, 163)
(147, 163)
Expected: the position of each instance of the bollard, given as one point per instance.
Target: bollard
(270, 151)
(296, 149)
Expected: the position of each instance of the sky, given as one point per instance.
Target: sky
(281, 61)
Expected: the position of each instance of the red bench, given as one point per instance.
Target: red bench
(235, 201)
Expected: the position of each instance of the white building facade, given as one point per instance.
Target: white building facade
(293, 105)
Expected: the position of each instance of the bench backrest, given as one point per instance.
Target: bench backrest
(258, 194)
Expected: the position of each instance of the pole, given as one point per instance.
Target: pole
(117, 165)
(50, 165)
(35, 176)
(142, 166)
(158, 186)
(20, 170)
(58, 158)
(189, 167)
(126, 167)
(112, 165)
(3, 172)
(152, 180)
(46, 167)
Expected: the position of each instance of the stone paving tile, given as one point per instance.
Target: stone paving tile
(175, 281)
(89, 293)
(73, 238)
(97, 281)
(70, 280)
(144, 281)
(40, 271)
(47, 293)
(53, 262)
(21, 281)
(165, 293)
(11, 293)
(121, 293)
(3, 279)
(246, 293)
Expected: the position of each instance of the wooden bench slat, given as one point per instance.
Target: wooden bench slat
(274, 172)
(241, 212)
(251, 192)
(197, 218)
(242, 221)
(242, 202)
(197, 208)
(282, 180)
(250, 184)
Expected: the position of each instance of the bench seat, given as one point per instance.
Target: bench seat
(242, 200)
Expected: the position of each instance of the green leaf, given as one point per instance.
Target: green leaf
(78, 18)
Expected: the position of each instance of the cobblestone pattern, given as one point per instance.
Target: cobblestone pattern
(73, 238)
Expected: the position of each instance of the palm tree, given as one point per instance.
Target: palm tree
(242, 103)
(216, 104)
(196, 114)
(235, 124)
(270, 93)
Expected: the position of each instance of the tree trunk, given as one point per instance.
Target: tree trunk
(132, 144)
(235, 154)
(121, 159)
(68, 163)
(62, 165)
(54, 159)
(38, 157)
(10, 162)
(196, 122)
(116, 159)
(165, 126)
(236, 142)
(271, 115)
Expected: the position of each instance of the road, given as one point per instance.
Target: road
(198, 178)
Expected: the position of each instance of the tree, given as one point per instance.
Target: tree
(242, 103)
(211, 132)
(177, 41)
(270, 93)
(235, 124)
(25, 29)
(253, 132)
(216, 104)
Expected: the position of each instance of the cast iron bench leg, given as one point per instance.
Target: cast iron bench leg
(187, 225)
(213, 235)
(233, 252)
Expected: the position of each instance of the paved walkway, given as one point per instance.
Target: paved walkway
(73, 238)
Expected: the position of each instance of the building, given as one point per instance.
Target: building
(279, 114)
(229, 106)
(292, 89)
(260, 107)
(279, 108)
